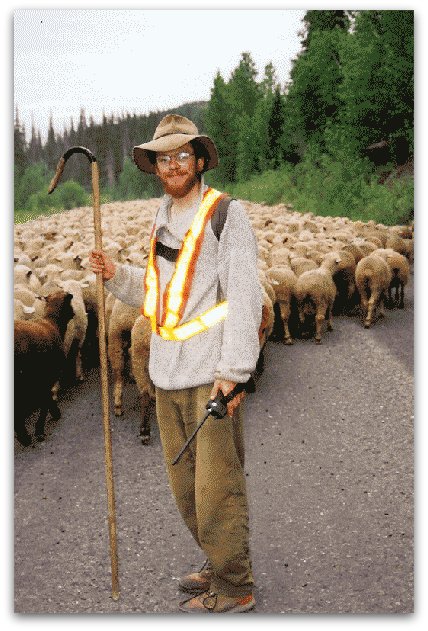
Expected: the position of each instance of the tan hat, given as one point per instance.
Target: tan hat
(173, 132)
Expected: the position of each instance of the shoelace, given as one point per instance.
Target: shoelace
(211, 597)
(206, 566)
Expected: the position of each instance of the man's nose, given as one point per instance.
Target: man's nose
(174, 162)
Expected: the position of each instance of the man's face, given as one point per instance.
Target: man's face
(178, 178)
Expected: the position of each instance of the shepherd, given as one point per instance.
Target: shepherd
(201, 294)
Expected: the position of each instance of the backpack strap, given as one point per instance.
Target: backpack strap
(218, 220)
(219, 216)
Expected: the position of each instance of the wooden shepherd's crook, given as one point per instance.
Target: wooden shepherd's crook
(103, 357)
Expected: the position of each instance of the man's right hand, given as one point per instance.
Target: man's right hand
(102, 264)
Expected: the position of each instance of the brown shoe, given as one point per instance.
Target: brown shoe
(209, 602)
(197, 582)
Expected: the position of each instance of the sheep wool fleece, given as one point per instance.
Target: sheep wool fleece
(208, 483)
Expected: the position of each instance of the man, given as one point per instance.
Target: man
(201, 293)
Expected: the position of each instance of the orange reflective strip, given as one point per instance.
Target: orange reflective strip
(178, 289)
(198, 325)
(151, 284)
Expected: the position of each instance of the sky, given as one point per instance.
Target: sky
(138, 60)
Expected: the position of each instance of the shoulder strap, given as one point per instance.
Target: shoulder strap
(218, 220)
(219, 216)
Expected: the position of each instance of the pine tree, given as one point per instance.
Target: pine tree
(378, 86)
(313, 99)
(20, 146)
(316, 20)
(218, 126)
(275, 129)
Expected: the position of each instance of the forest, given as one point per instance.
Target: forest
(337, 139)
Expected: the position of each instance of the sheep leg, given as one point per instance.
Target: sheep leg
(146, 407)
(285, 315)
(401, 302)
(115, 353)
(55, 390)
(79, 371)
(21, 432)
(371, 309)
(39, 430)
(48, 405)
(364, 304)
(329, 317)
(117, 393)
(319, 319)
(381, 305)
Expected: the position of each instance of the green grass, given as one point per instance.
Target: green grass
(332, 189)
(21, 216)
(331, 192)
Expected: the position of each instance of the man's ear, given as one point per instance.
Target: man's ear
(200, 164)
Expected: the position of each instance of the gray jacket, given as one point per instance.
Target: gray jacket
(225, 269)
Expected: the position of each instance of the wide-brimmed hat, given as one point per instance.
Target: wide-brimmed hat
(173, 132)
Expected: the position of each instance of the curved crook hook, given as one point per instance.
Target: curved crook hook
(63, 160)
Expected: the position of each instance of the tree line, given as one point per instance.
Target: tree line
(338, 128)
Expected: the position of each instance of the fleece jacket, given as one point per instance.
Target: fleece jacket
(226, 269)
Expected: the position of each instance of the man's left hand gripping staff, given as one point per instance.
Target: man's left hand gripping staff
(102, 264)
(226, 387)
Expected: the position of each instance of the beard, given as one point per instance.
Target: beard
(178, 184)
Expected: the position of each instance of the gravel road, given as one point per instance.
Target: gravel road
(329, 437)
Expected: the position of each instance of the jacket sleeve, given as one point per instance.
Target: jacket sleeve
(239, 283)
(127, 284)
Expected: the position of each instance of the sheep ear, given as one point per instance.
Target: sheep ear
(28, 274)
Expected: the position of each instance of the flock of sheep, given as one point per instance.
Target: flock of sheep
(310, 268)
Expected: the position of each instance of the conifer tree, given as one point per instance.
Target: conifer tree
(19, 146)
(218, 125)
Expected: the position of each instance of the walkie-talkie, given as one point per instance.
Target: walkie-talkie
(218, 408)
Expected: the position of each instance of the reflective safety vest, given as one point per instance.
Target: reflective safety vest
(178, 288)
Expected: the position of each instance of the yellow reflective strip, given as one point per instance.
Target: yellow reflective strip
(197, 325)
(178, 280)
(214, 315)
(184, 331)
(150, 301)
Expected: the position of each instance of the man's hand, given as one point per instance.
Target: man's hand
(102, 264)
(226, 387)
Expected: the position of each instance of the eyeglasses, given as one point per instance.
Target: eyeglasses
(165, 160)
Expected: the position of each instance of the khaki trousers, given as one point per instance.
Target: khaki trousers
(208, 483)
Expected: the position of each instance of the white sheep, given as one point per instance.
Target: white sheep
(21, 311)
(76, 330)
(344, 279)
(27, 304)
(400, 269)
(24, 275)
(315, 292)
(141, 334)
(372, 277)
(301, 264)
(283, 281)
(121, 321)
